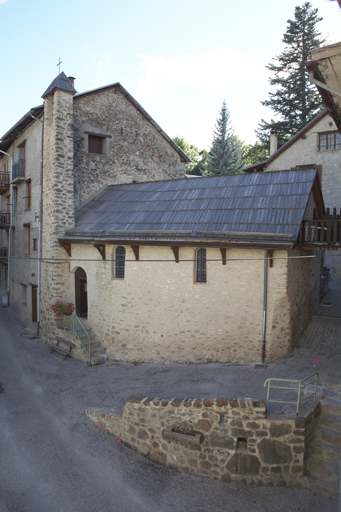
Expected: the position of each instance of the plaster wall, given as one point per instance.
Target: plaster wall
(157, 313)
(24, 263)
(306, 151)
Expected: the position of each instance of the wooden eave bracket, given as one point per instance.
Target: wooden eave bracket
(67, 247)
(136, 250)
(223, 255)
(101, 249)
(175, 249)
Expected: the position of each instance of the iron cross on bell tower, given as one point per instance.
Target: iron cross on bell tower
(59, 63)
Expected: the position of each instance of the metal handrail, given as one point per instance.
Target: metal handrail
(268, 382)
(82, 334)
(73, 323)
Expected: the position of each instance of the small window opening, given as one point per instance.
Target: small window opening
(241, 444)
(200, 271)
(120, 255)
(96, 144)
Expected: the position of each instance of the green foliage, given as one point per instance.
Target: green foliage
(198, 165)
(253, 154)
(225, 155)
(295, 100)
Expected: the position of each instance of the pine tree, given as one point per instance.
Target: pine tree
(225, 155)
(295, 100)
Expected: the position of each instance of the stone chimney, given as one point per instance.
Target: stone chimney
(273, 142)
(72, 80)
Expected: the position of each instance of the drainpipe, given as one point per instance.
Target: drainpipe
(265, 302)
(10, 226)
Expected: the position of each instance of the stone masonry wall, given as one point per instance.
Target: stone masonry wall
(157, 313)
(58, 203)
(229, 439)
(289, 313)
(133, 149)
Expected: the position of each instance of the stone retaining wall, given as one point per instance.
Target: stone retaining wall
(225, 438)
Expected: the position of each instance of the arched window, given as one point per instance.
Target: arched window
(120, 256)
(200, 267)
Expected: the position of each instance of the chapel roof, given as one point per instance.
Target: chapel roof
(254, 208)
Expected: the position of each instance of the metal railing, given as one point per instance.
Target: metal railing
(4, 256)
(5, 219)
(4, 179)
(82, 334)
(74, 324)
(18, 170)
(312, 379)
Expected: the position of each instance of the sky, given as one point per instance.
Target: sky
(180, 60)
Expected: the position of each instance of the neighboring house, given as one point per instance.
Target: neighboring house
(325, 72)
(317, 145)
(62, 153)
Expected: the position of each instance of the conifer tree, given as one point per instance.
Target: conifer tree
(225, 155)
(295, 100)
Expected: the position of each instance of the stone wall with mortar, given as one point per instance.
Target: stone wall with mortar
(58, 204)
(158, 313)
(134, 150)
(289, 313)
(229, 439)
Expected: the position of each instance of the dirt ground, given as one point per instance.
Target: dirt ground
(47, 444)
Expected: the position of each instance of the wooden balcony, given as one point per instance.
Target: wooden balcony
(5, 220)
(323, 233)
(4, 182)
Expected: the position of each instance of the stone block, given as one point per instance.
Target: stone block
(243, 464)
(274, 452)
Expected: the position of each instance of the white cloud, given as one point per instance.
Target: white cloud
(212, 72)
(3, 1)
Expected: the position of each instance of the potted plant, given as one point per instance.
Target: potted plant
(61, 308)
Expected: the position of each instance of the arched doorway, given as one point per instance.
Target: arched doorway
(81, 293)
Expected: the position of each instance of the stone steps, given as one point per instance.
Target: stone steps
(323, 462)
(97, 351)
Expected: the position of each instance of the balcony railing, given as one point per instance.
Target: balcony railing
(4, 179)
(324, 231)
(5, 220)
(18, 170)
(4, 256)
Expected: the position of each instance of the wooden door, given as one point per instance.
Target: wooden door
(34, 303)
(81, 293)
